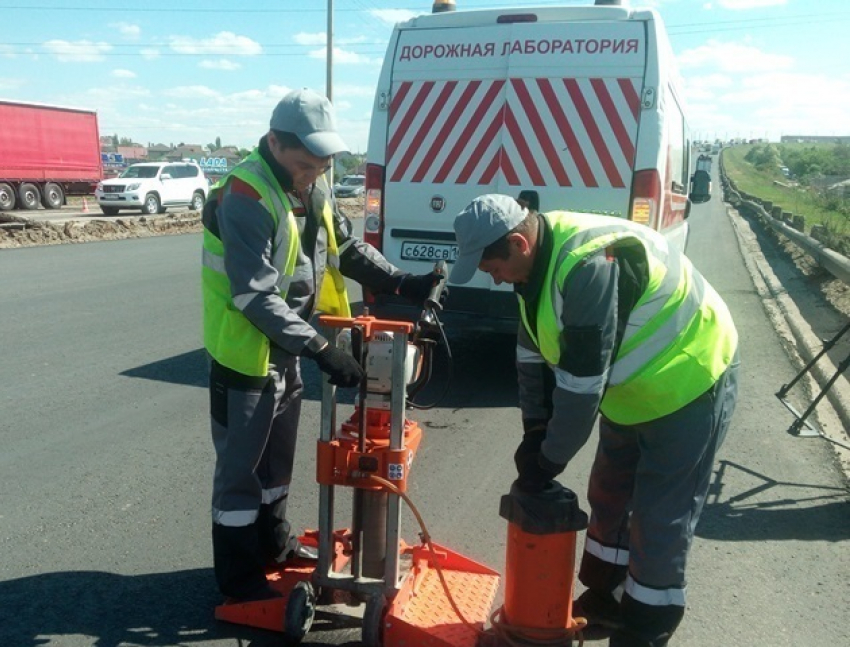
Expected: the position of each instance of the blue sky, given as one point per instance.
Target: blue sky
(215, 68)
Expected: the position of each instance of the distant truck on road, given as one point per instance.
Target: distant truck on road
(46, 153)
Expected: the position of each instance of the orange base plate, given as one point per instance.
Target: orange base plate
(421, 614)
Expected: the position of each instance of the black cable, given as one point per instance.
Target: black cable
(423, 407)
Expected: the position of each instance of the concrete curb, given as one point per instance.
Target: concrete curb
(801, 343)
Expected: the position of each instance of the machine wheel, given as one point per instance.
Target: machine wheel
(109, 211)
(29, 196)
(373, 621)
(7, 197)
(52, 196)
(151, 205)
(197, 203)
(299, 614)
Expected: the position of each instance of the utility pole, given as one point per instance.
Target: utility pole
(329, 81)
(330, 45)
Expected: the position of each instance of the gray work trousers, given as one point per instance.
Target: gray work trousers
(254, 430)
(647, 488)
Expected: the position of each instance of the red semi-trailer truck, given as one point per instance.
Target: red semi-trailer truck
(46, 153)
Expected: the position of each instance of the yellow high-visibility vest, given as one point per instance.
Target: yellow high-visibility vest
(229, 337)
(680, 336)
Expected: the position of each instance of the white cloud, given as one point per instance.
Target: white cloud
(750, 4)
(762, 105)
(221, 64)
(733, 57)
(192, 92)
(225, 42)
(342, 56)
(303, 38)
(123, 74)
(392, 16)
(194, 114)
(149, 53)
(108, 95)
(7, 51)
(81, 51)
(127, 29)
(356, 40)
(320, 38)
(346, 90)
(708, 81)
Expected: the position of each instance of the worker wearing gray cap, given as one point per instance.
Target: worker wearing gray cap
(613, 322)
(275, 251)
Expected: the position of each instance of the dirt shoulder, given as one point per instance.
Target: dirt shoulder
(20, 231)
(92, 229)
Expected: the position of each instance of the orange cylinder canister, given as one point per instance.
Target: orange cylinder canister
(541, 556)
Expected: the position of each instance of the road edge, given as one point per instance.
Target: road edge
(799, 341)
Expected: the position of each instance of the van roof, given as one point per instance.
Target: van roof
(478, 17)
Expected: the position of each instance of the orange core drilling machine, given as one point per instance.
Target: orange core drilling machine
(415, 595)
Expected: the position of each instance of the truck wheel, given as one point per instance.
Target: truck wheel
(29, 196)
(52, 196)
(151, 205)
(7, 197)
(197, 203)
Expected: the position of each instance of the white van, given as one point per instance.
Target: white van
(578, 107)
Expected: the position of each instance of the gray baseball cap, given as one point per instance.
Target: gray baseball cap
(482, 223)
(309, 116)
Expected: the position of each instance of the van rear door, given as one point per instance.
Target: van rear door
(497, 108)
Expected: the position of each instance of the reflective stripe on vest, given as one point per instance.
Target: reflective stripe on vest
(230, 338)
(679, 337)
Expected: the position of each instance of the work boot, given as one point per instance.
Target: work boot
(602, 612)
(279, 543)
(239, 567)
(295, 548)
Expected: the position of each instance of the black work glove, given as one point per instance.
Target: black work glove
(534, 470)
(416, 287)
(344, 370)
(531, 441)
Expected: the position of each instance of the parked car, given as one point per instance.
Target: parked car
(152, 187)
(350, 186)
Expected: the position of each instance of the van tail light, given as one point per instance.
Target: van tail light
(373, 221)
(646, 198)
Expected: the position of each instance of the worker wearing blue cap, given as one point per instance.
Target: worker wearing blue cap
(614, 325)
(276, 250)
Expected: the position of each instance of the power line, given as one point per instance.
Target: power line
(779, 23)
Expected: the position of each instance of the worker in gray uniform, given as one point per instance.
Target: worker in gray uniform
(614, 321)
(275, 251)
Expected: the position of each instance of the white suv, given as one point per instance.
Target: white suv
(152, 187)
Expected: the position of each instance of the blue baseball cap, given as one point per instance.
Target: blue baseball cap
(482, 223)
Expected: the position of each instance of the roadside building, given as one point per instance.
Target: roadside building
(157, 152)
(133, 154)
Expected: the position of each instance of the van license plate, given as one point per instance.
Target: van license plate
(428, 252)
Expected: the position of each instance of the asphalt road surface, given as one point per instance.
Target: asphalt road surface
(107, 464)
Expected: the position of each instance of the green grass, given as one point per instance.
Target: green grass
(797, 200)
